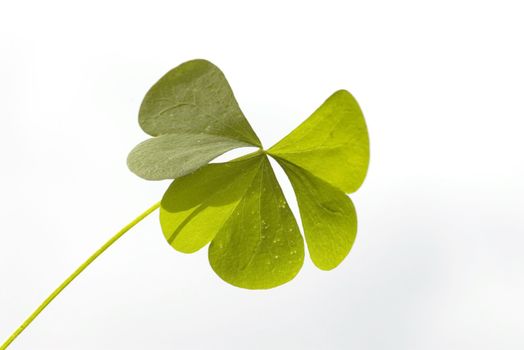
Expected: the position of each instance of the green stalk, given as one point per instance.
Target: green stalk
(81, 268)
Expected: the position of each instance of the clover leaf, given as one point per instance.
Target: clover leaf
(238, 207)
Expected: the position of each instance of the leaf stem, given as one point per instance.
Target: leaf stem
(81, 268)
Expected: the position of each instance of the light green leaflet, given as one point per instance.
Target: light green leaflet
(328, 217)
(260, 246)
(195, 207)
(332, 143)
(238, 207)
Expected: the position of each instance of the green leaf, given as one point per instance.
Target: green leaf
(260, 246)
(328, 217)
(193, 112)
(195, 97)
(174, 155)
(238, 207)
(331, 144)
(196, 206)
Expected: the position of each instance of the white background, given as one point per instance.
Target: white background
(438, 261)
